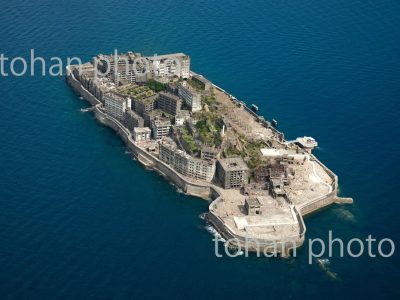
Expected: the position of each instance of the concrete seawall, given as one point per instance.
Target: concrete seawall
(78, 88)
(323, 201)
(203, 189)
(283, 246)
(332, 197)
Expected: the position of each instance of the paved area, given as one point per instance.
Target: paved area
(241, 120)
(275, 221)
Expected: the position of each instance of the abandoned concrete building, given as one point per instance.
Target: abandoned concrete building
(232, 172)
(252, 206)
(184, 163)
(169, 103)
(146, 105)
(209, 153)
(133, 120)
(160, 128)
(141, 134)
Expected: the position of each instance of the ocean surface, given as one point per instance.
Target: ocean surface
(81, 219)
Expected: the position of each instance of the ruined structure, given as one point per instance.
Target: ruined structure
(261, 185)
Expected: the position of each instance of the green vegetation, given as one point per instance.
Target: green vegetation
(210, 100)
(189, 140)
(144, 95)
(195, 84)
(163, 114)
(252, 150)
(156, 86)
(138, 92)
(209, 129)
(232, 151)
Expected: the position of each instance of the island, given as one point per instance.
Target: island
(211, 145)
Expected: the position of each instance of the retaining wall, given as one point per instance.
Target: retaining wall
(78, 88)
(323, 201)
(258, 245)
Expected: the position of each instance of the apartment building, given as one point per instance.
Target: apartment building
(181, 117)
(170, 65)
(184, 163)
(133, 120)
(232, 172)
(141, 134)
(191, 97)
(145, 105)
(160, 128)
(209, 153)
(169, 103)
(116, 105)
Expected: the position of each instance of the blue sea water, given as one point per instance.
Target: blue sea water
(80, 219)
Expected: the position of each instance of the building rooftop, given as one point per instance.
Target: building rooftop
(253, 202)
(142, 130)
(171, 144)
(162, 122)
(145, 100)
(273, 152)
(115, 96)
(183, 113)
(158, 113)
(188, 87)
(209, 149)
(307, 142)
(233, 164)
(133, 113)
(170, 95)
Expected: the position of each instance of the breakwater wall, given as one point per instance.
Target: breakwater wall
(79, 89)
(251, 244)
(323, 201)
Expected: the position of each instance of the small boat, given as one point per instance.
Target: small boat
(87, 109)
(254, 108)
(274, 122)
(323, 262)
